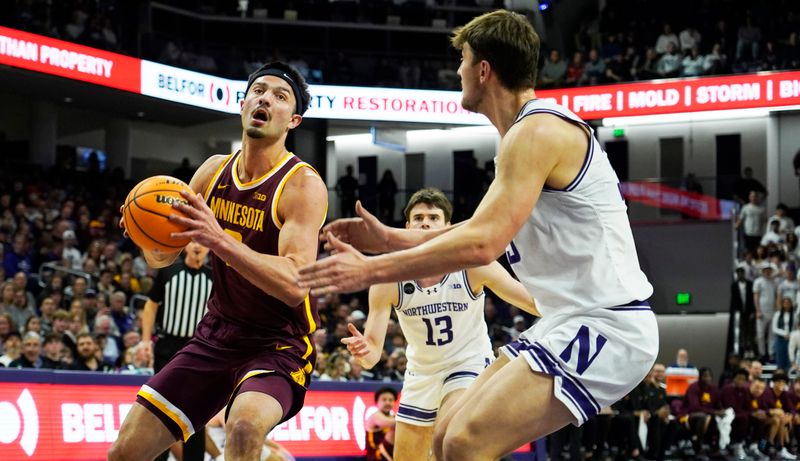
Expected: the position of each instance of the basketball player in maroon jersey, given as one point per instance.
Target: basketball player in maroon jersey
(259, 212)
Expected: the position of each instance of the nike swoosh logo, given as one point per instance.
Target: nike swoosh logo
(280, 348)
(223, 186)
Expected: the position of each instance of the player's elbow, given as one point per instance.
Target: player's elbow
(483, 252)
(293, 296)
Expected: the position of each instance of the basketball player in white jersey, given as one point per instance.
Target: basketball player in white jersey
(555, 204)
(442, 320)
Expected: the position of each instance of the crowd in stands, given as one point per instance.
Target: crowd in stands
(626, 41)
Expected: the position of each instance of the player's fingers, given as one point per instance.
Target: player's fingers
(363, 213)
(353, 330)
(336, 244)
(325, 290)
(313, 270)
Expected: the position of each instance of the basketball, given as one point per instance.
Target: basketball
(146, 213)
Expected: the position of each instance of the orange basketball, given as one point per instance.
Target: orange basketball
(146, 210)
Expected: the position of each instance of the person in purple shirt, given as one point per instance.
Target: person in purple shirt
(701, 403)
(736, 395)
(782, 409)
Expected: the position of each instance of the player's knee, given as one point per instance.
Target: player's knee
(243, 436)
(458, 444)
(119, 452)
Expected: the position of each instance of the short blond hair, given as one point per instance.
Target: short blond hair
(508, 42)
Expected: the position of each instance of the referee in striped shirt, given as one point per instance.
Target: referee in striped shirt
(178, 301)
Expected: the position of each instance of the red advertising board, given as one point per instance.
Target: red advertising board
(744, 91)
(66, 422)
(65, 59)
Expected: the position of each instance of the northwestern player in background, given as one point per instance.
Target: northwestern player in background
(442, 320)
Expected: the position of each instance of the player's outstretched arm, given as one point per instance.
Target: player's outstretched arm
(367, 234)
(528, 154)
(301, 209)
(367, 347)
(509, 289)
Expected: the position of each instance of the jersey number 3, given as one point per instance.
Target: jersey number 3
(446, 330)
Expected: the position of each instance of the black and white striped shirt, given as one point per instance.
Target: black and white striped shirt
(182, 293)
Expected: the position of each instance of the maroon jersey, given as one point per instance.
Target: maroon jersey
(249, 213)
(375, 439)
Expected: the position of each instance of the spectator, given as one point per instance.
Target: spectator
(20, 281)
(12, 348)
(61, 326)
(682, 360)
(387, 190)
(791, 52)
(647, 69)
(33, 324)
(746, 184)
(595, 69)
(53, 354)
(574, 70)
(742, 307)
(781, 214)
(692, 64)
(553, 72)
(701, 405)
(119, 312)
(715, 61)
(773, 236)
(736, 396)
(669, 64)
(689, 38)
(31, 352)
(665, 39)
(19, 257)
(108, 338)
(87, 360)
(347, 190)
(764, 298)
(617, 70)
(772, 59)
(751, 221)
(782, 322)
(70, 255)
(749, 37)
(653, 401)
(18, 310)
(788, 287)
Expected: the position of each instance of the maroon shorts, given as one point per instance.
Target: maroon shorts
(221, 361)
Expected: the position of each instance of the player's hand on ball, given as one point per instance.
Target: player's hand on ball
(345, 271)
(365, 233)
(201, 225)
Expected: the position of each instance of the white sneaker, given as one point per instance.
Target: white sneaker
(738, 451)
(754, 452)
(785, 454)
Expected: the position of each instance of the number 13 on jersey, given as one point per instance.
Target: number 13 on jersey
(445, 334)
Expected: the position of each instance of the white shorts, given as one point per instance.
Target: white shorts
(596, 357)
(422, 394)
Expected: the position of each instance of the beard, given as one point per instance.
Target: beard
(253, 132)
(471, 104)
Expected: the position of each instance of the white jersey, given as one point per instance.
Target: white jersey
(576, 249)
(443, 323)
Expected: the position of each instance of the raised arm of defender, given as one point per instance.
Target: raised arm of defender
(528, 154)
(367, 234)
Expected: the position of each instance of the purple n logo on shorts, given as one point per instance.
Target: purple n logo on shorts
(584, 344)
